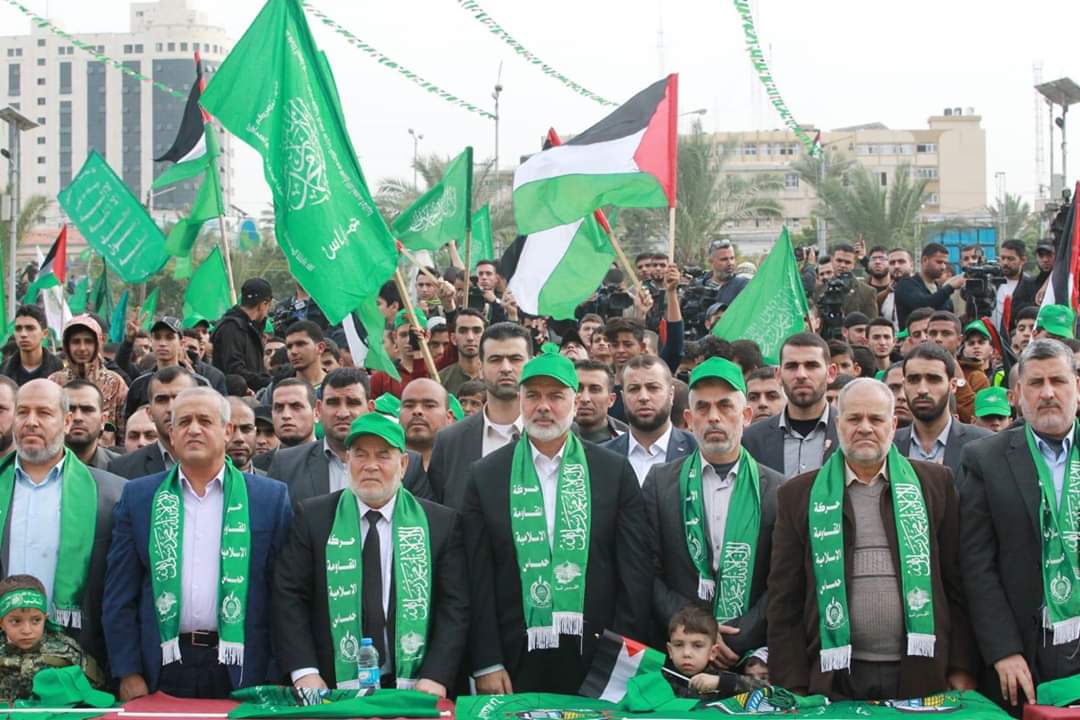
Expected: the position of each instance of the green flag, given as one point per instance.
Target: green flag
(101, 298)
(182, 268)
(113, 221)
(207, 206)
(207, 294)
(118, 322)
(78, 299)
(276, 93)
(375, 324)
(148, 310)
(442, 214)
(772, 307)
(482, 246)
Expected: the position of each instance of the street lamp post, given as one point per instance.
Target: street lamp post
(17, 125)
(1063, 92)
(416, 138)
(495, 176)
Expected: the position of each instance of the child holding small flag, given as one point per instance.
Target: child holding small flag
(692, 649)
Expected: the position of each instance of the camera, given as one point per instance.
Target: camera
(831, 305)
(980, 291)
(610, 301)
(697, 298)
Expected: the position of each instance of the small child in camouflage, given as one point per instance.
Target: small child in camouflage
(31, 643)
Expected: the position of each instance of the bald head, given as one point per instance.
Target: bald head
(424, 412)
(865, 422)
(41, 421)
(43, 390)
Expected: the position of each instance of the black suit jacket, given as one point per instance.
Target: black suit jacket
(681, 444)
(457, 447)
(306, 472)
(618, 580)
(765, 441)
(1002, 546)
(91, 636)
(300, 613)
(676, 582)
(144, 461)
(960, 434)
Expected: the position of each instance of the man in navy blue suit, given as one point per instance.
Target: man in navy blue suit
(186, 607)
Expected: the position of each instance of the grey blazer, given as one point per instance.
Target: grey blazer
(765, 441)
(681, 444)
(306, 472)
(676, 579)
(960, 434)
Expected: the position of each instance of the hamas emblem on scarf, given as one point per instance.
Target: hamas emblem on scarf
(165, 604)
(540, 593)
(231, 608)
(567, 572)
(917, 599)
(349, 648)
(834, 614)
(1060, 588)
(411, 644)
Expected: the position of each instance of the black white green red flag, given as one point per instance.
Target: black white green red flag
(617, 660)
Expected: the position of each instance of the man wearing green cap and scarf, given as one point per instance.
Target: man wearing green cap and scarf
(556, 537)
(372, 561)
(865, 597)
(711, 515)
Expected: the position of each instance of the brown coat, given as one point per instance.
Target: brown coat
(794, 640)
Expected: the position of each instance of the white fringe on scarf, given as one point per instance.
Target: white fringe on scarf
(543, 638)
(837, 658)
(706, 588)
(562, 623)
(921, 644)
(67, 617)
(406, 683)
(170, 651)
(230, 653)
(1065, 631)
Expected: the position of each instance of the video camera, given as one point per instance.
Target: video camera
(980, 290)
(831, 305)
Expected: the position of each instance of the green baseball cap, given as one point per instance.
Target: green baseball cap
(374, 423)
(992, 401)
(387, 404)
(716, 367)
(455, 407)
(550, 363)
(977, 326)
(902, 335)
(402, 318)
(1059, 320)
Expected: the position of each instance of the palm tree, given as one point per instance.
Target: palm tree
(1019, 222)
(32, 213)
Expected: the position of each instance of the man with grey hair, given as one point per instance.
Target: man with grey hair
(711, 517)
(188, 583)
(1020, 503)
(57, 514)
(865, 598)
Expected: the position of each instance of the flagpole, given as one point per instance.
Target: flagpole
(410, 312)
(415, 261)
(623, 260)
(468, 264)
(228, 259)
(671, 233)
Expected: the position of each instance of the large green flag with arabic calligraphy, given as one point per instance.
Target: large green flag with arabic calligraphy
(442, 214)
(276, 93)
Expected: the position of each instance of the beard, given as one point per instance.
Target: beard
(45, 454)
(501, 392)
(80, 443)
(929, 415)
(547, 433)
(866, 455)
(719, 448)
(6, 441)
(379, 497)
(658, 420)
(879, 274)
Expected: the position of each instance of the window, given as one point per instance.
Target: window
(40, 160)
(183, 47)
(787, 149)
(40, 179)
(41, 101)
(907, 149)
(41, 42)
(794, 223)
(791, 181)
(884, 179)
(41, 141)
(18, 52)
(41, 81)
(926, 173)
(138, 47)
(65, 78)
(766, 149)
(926, 148)
(750, 149)
(127, 49)
(14, 78)
(11, 52)
(172, 47)
(41, 121)
(864, 149)
(932, 198)
(886, 149)
(158, 47)
(206, 47)
(41, 62)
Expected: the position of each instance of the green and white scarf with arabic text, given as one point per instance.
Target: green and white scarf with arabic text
(552, 572)
(166, 561)
(826, 526)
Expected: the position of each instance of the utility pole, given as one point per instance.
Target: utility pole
(17, 125)
(416, 138)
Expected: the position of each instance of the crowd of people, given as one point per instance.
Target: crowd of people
(890, 510)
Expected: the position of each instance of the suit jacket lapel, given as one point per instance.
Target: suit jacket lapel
(677, 446)
(831, 440)
(1023, 472)
(953, 445)
(320, 478)
(774, 452)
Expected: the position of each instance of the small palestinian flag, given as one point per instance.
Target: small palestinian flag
(52, 271)
(617, 660)
(1064, 287)
(628, 159)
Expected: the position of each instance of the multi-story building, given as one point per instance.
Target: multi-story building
(81, 103)
(950, 153)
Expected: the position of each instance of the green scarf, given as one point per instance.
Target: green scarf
(826, 523)
(166, 547)
(740, 536)
(412, 581)
(78, 520)
(552, 573)
(1060, 528)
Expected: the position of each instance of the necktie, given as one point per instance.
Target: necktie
(374, 618)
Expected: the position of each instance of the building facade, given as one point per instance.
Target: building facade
(82, 104)
(950, 153)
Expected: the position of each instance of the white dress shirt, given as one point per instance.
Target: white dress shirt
(34, 534)
(200, 568)
(643, 458)
(1055, 461)
(547, 470)
(716, 494)
(497, 436)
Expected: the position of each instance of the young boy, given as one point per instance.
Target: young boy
(692, 649)
(29, 645)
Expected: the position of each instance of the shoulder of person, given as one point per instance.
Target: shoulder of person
(797, 489)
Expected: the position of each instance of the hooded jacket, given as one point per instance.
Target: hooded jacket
(112, 386)
(238, 348)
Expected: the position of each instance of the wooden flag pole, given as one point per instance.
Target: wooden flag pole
(671, 234)
(423, 270)
(410, 312)
(623, 260)
(228, 259)
(468, 265)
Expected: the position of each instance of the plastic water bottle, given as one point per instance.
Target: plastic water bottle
(367, 665)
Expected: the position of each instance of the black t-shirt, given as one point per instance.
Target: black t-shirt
(803, 427)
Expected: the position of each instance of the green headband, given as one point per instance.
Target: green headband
(23, 598)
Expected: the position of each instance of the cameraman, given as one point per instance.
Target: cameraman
(860, 296)
(922, 290)
(723, 278)
(1018, 286)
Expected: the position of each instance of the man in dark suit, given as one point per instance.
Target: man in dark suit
(156, 457)
(855, 609)
(691, 564)
(36, 478)
(934, 435)
(312, 644)
(531, 537)
(321, 467)
(803, 436)
(504, 349)
(182, 540)
(648, 391)
(1005, 498)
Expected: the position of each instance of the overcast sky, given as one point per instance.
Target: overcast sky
(837, 63)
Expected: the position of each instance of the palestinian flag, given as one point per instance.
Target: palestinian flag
(628, 159)
(52, 270)
(1064, 287)
(617, 660)
(189, 151)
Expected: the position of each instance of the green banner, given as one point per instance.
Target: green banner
(207, 294)
(113, 222)
(483, 247)
(442, 214)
